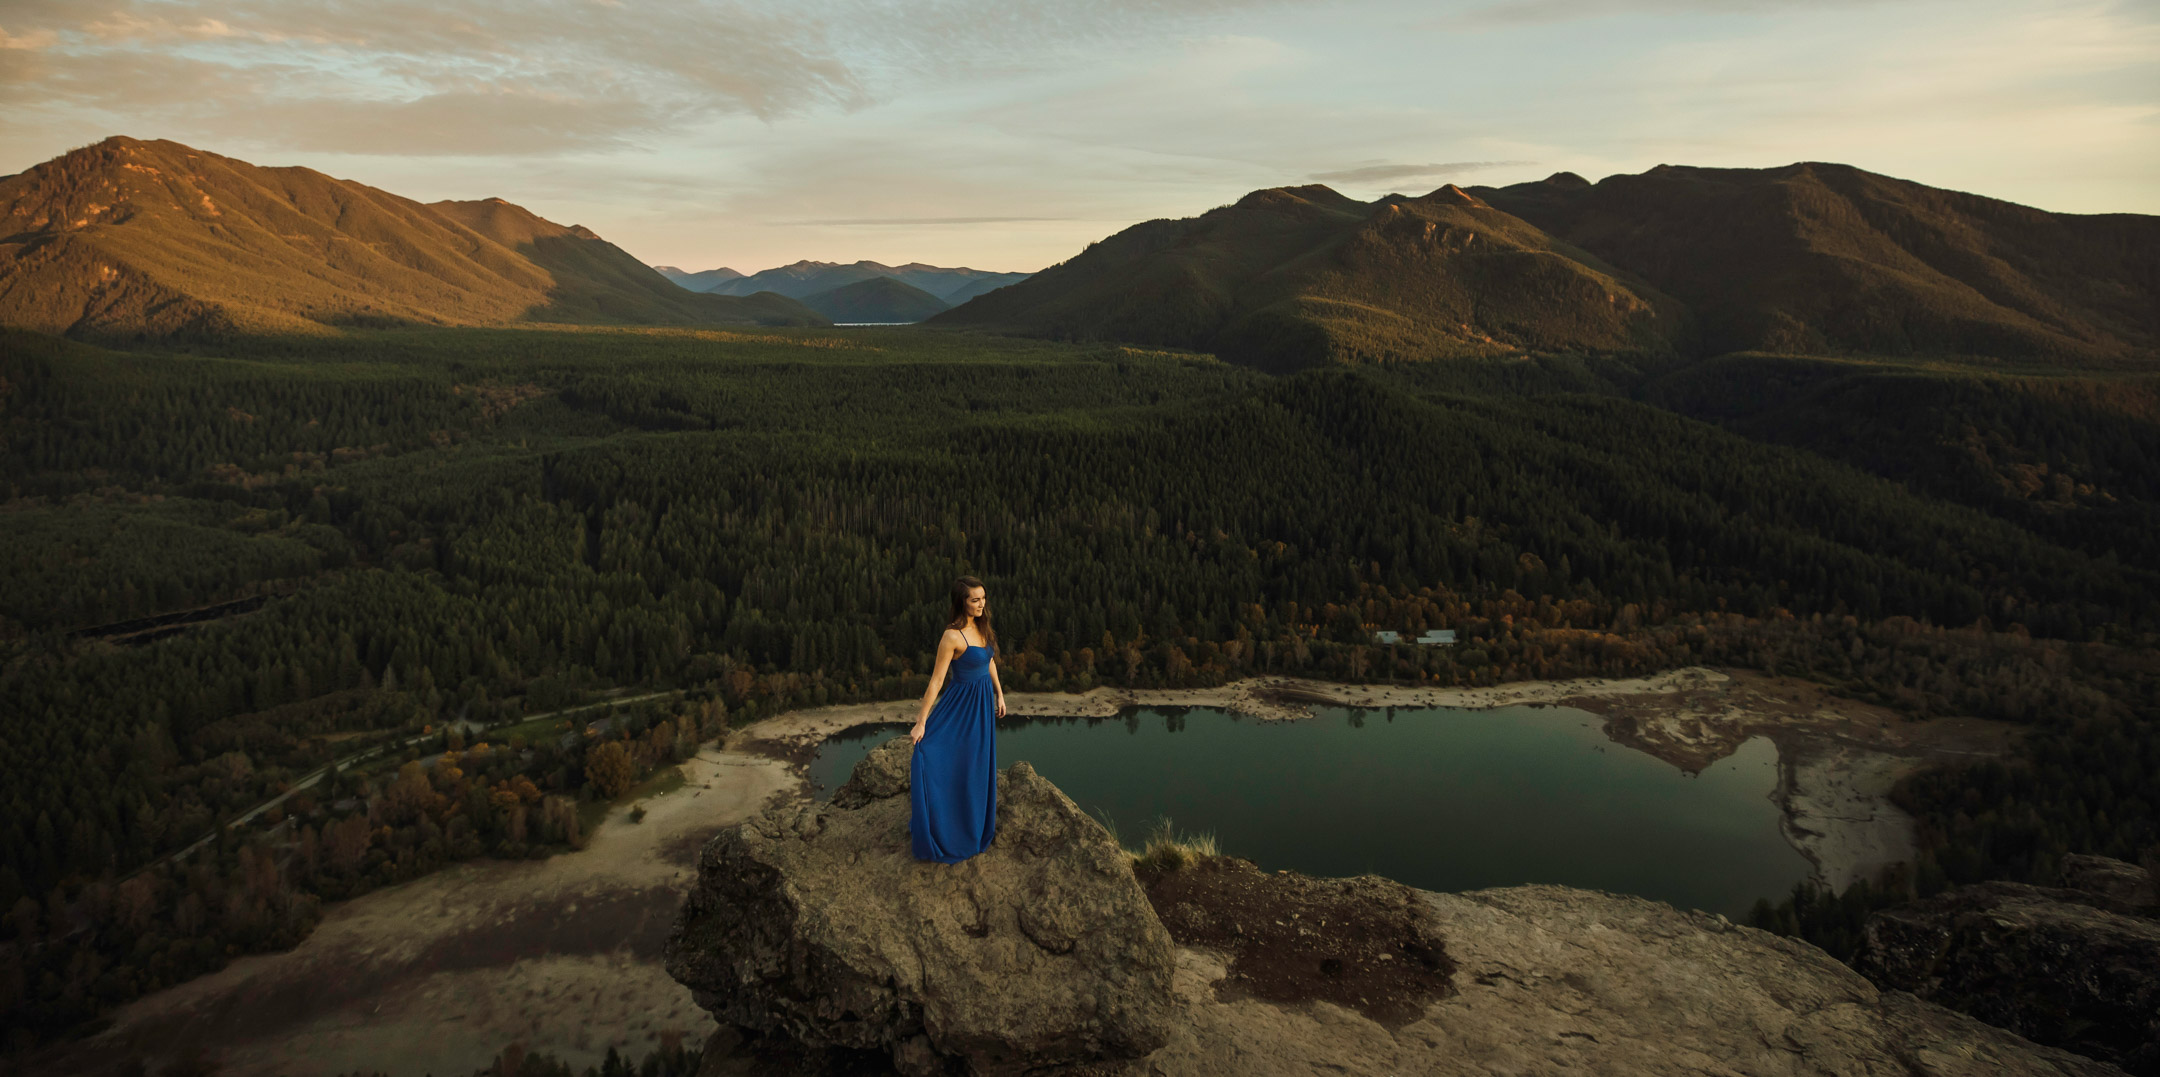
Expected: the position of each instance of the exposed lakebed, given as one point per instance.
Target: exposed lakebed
(1439, 798)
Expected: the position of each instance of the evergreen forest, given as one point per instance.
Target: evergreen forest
(404, 559)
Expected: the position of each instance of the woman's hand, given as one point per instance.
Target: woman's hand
(1001, 705)
(916, 734)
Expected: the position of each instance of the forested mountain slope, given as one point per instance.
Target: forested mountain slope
(2073, 455)
(1814, 257)
(1292, 276)
(879, 299)
(1810, 258)
(128, 238)
(597, 281)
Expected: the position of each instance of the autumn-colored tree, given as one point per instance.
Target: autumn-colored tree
(411, 796)
(349, 841)
(610, 770)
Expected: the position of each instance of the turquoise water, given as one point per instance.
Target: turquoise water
(1439, 799)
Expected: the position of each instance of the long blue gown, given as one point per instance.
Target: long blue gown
(952, 777)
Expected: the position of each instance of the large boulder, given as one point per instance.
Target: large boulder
(2065, 966)
(814, 927)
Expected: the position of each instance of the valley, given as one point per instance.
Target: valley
(297, 468)
(563, 955)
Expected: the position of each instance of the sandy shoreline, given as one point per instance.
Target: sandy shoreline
(563, 955)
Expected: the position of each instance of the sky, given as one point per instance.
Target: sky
(1008, 135)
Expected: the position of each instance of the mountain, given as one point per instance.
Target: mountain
(703, 280)
(1292, 276)
(879, 299)
(955, 286)
(808, 278)
(983, 286)
(1816, 257)
(153, 239)
(596, 281)
(1809, 258)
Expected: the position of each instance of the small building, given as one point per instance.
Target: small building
(1387, 636)
(1437, 636)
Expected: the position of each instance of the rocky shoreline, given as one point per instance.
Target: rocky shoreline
(1837, 758)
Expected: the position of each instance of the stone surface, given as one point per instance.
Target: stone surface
(1553, 980)
(814, 925)
(824, 949)
(2127, 887)
(2057, 965)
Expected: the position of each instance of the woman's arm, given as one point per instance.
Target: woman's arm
(937, 681)
(1000, 686)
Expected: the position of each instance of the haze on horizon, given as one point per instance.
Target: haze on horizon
(1008, 135)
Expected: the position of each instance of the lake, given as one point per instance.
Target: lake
(1437, 798)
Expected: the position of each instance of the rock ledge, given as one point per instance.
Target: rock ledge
(823, 947)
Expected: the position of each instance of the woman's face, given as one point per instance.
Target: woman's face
(976, 602)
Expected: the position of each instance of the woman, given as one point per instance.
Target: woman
(952, 777)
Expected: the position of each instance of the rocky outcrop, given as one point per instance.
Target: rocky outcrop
(815, 932)
(2117, 885)
(2073, 966)
(1554, 980)
(822, 947)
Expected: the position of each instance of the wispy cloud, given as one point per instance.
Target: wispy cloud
(406, 76)
(35, 39)
(517, 77)
(1383, 173)
(1518, 12)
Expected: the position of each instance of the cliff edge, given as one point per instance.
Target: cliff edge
(822, 946)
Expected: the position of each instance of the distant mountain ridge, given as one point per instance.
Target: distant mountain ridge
(878, 299)
(807, 278)
(702, 281)
(134, 238)
(1811, 257)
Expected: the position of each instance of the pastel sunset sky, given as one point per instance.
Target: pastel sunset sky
(1007, 135)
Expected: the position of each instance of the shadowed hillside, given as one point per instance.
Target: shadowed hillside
(1292, 276)
(1827, 258)
(1810, 258)
(154, 239)
(879, 299)
(704, 280)
(597, 281)
(982, 285)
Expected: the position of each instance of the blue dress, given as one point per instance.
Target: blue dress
(952, 777)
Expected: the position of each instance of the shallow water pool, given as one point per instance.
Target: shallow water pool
(1437, 798)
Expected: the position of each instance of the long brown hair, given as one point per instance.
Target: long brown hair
(960, 589)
